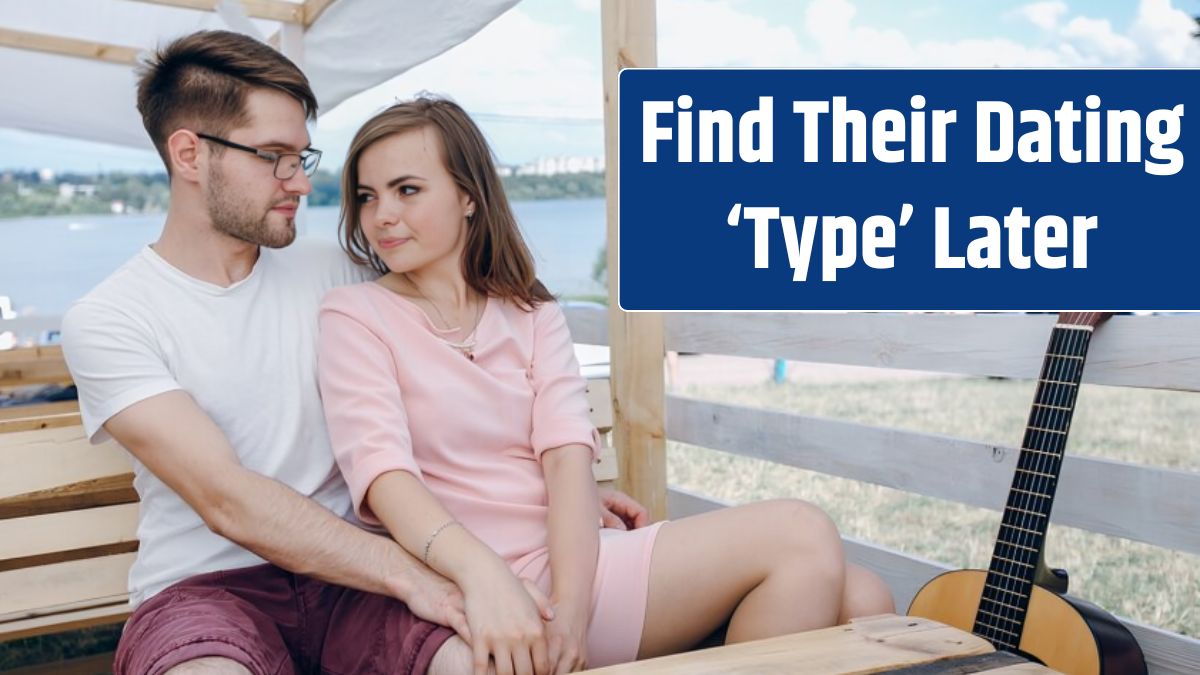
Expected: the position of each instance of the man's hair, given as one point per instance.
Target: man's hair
(200, 81)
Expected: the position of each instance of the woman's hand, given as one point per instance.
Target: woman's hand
(506, 619)
(566, 638)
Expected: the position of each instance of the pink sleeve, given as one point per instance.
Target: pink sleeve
(368, 426)
(560, 406)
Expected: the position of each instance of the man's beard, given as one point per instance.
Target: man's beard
(236, 216)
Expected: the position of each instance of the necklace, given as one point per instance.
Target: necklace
(467, 346)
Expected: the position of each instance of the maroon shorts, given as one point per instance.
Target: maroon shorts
(272, 621)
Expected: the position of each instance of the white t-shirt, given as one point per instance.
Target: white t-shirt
(246, 354)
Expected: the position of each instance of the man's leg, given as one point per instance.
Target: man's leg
(203, 625)
(209, 665)
(375, 634)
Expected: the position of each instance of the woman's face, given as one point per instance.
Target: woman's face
(412, 212)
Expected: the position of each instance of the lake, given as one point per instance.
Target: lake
(46, 263)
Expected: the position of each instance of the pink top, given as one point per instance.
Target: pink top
(398, 397)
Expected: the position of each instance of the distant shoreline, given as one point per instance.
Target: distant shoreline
(26, 195)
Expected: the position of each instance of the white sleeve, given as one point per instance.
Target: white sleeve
(114, 361)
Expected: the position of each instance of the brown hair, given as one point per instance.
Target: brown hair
(496, 260)
(201, 80)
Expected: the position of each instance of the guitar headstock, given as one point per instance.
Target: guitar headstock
(1090, 319)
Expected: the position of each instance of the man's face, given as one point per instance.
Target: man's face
(244, 198)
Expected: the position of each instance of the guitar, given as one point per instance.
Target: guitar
(1018, 604)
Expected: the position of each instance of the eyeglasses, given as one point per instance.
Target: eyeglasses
(286, 163)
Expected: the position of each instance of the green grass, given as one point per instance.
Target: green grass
(1153, 585)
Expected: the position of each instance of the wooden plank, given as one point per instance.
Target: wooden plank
(32, 365)
(866, 645)
(85, 494)
(8, 426)
(606, 468)
(29, 592)
(272, 10)
(41, 535)
(1166, 653)
(53, 457)
(63, 46)
(86, 665)
(629, 40)
(112, 610)
(39, 410)
(599, 394)
(1154, 505)
(1158, 352)
(588, 325)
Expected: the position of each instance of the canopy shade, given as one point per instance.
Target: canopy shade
(347, 47)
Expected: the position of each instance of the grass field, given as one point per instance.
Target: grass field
(1147, 583)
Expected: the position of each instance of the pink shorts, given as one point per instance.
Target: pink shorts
(619, 593)
(272, 621)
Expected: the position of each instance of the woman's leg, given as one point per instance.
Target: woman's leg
(769, 568)
(866, 595)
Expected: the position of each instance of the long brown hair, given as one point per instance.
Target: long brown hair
(495, 261)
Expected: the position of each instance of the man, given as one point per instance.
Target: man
(199, 356)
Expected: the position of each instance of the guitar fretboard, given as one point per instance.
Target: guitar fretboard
(1010, 578)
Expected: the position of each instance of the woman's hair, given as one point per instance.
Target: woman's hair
(495, 259)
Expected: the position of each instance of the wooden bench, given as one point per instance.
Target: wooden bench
(68, 518)
(68, 511)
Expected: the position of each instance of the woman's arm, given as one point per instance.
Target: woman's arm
(369, 430)
(574, 545)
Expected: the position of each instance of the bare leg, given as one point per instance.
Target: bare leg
(209, 665)
(769, 568)
(866, 595)
(454, 657)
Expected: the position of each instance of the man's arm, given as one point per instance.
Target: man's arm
(184, 448)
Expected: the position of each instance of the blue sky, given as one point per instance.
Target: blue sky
(533, 75)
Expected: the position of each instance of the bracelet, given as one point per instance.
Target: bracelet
(429, 541)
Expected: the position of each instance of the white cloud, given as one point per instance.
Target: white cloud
(1044, 15)
(716, 33)
(1165, 33)
(1099, 44)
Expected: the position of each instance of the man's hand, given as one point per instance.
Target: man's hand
(435, 598)
(620, 512)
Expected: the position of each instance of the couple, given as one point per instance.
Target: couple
(282, 400)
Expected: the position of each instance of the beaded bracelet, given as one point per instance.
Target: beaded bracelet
(429, 541)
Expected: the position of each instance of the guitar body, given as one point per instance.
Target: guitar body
(1067, 634)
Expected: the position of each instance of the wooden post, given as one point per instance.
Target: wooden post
(636, 340)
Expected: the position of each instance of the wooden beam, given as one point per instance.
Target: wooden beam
(636, 340)
(273, 10)
(33, 365)
(313, 9)
(34, 423)
(82, 49)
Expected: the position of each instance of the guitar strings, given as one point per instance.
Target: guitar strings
(1044, 449)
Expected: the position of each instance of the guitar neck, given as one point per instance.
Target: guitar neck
(1010, 577)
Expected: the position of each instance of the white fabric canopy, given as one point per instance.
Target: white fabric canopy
(353, 45)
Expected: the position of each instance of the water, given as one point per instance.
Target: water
(46, 263)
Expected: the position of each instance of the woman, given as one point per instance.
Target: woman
(459, 419)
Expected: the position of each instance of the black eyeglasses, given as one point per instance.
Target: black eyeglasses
(286, 163)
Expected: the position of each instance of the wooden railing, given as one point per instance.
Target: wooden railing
(1157, 506)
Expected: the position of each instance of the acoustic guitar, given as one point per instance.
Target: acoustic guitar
(1019, 604)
